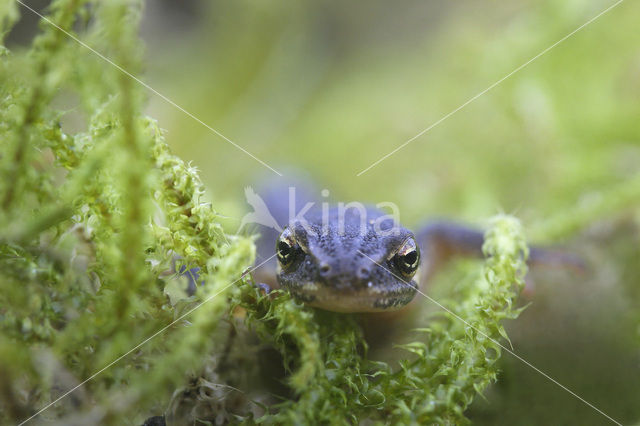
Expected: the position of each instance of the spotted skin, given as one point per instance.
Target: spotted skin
(346, 259)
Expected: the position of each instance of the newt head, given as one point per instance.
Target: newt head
(348, 261)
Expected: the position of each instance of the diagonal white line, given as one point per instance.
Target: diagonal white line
(490, 87)
(142, 83)
(499, 344)
(143, 342)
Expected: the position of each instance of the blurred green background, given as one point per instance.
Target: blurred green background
(331, 87)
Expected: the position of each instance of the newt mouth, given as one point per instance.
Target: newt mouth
(370, 299)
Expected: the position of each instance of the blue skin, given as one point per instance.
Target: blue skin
(358, 270)
(355, 269)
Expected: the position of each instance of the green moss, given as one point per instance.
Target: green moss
(93, 221)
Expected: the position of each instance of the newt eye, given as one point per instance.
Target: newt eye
(286, 248)
(407, 258)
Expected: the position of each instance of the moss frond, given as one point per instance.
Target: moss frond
(94, 223)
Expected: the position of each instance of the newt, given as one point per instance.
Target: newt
(360, 260)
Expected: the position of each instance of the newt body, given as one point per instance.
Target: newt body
(359, 259)
(352, 259)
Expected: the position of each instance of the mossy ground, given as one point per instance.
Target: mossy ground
(92, 221)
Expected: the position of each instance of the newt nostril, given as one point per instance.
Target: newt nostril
(363, 273)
